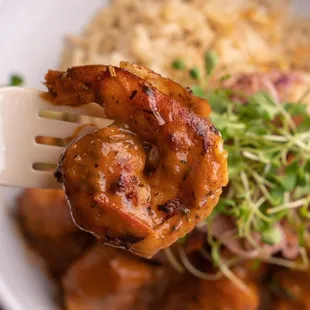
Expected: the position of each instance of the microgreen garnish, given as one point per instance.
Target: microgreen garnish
(267, 157)
(271, 235)
(198, 91)
(16, 80)
(269, 170)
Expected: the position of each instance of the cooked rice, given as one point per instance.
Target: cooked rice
(248, 36)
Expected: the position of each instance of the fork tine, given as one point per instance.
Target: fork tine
(43, 179)
(47, 153)
(91, 109)
(55, 128)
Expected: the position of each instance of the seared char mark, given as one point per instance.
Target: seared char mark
(133, 94)
(214, 129)
(147, 90)
(173, 207)
(124, 184)
(129, 239)
(58, 175)
(124, 241)
(189, 90)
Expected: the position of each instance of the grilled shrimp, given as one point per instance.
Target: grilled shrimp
(149, 178)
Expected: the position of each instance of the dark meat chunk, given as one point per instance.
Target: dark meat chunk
(47, 225)
(108, 278)
(195, 294)
(45, 213)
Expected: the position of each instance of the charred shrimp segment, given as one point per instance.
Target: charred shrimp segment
(150, 178)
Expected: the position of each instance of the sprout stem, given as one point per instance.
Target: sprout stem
(290, 205)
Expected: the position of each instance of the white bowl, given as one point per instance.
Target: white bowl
(31, 35)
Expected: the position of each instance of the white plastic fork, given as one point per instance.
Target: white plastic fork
(22, 119)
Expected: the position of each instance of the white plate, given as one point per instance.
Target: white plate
(31, 37)
(31, 33)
